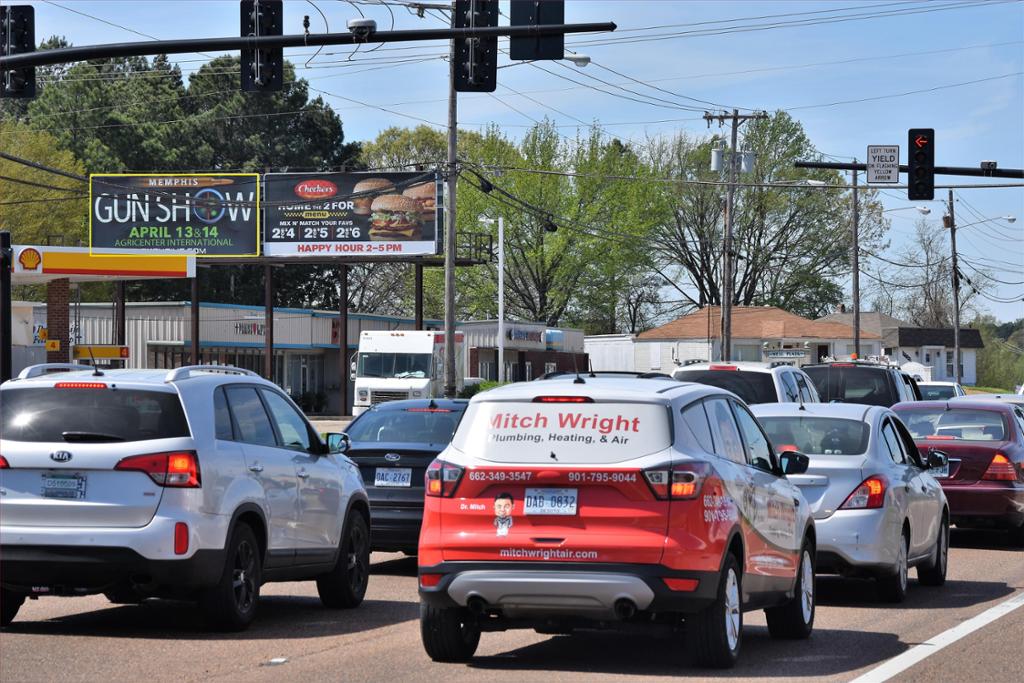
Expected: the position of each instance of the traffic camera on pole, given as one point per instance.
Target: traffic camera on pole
(262, 68)
(476, 59)
(921, 163)
(17, 35)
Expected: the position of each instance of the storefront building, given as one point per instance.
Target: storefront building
(531, 349)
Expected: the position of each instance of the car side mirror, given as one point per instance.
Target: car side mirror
(338, 442)
(937, 460)
(794, 462)
(352, 371)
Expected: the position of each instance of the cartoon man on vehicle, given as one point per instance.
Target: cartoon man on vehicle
(503, 513)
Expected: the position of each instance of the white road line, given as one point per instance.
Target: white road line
(926, 649)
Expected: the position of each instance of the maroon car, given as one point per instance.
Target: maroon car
(985, 444)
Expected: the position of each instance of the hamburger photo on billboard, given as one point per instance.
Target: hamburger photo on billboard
(395, 217)
(425, 195)
(366, 191)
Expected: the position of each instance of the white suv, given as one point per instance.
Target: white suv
(201, 482)
(775, 382)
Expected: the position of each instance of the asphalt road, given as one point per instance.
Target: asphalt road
(88, 639)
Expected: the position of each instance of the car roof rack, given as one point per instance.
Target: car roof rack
(693, 361)
(187, 371)
(779, 363)
(604, 374)
(46, 368)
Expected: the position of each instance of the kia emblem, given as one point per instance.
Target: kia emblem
(60, 456)
(392, 457)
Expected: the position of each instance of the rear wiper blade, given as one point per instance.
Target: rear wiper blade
(90, 436)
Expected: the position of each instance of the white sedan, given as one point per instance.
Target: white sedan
(878, 509)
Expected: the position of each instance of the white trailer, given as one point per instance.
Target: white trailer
(397, 365)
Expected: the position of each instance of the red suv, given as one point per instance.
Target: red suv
(583, 503)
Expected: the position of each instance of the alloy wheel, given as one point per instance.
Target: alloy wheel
(732, 610)
(357, 570)
(243, 579)
(806, 587)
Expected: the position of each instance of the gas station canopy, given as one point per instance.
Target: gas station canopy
(41, 264)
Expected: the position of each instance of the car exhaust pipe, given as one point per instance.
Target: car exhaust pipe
(477, 605)
(625, 609)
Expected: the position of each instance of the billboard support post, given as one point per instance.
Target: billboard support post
(343, 366)
(449, 232)
(418, 272)
(268, 322)
(194, 316)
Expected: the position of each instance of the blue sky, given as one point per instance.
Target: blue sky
(765, 69)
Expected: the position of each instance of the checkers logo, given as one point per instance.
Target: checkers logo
(316, 189)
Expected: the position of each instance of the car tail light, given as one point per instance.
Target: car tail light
(563, 399)
(179, 469)
(79, 385)
(677, 483)
(723, 367)
(180, 538)
(442, 478)
(4, 464)
(1000, 469)
(868, 496)
(843, 365)
(430, 580)
(683, 585)
(428, 410)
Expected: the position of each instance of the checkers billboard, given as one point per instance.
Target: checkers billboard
(208, 214)
(351, 214)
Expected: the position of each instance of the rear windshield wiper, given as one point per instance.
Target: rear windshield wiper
(90, 436)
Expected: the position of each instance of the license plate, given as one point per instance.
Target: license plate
(550, 501)
(943, 472)
(69, 486)
(393, 476)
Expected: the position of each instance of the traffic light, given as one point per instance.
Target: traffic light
(921, 163)
(17, 35)
(536, 13)
(476, 59)
(262, 69)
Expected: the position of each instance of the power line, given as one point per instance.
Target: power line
(905, 94)
(699, 33)
(32, 184)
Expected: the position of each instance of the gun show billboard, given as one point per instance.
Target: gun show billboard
(351, 214)
(206, 214)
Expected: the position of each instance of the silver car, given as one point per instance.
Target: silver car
(200, 482)
(877, 506)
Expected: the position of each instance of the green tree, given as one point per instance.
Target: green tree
(787, 253)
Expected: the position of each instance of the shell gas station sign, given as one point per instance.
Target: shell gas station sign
(35, 264)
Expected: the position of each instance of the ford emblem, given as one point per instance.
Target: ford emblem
(60, 456)
(392, 457)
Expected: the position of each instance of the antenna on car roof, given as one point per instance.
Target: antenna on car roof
(95, 368)
(590, 364)
(800, 397)
(578, 380)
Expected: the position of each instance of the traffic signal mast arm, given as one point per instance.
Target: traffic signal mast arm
(85, 52)
(939, 170)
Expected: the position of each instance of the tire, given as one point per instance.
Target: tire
(123, 595)
(450, 634)
(893, 587)
(934, 572)
(345, 586)
(795, 619)
(1017, 536)
(715, 634)
(231, 604)
(10, 603)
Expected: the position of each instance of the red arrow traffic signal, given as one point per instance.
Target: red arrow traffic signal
(921, 164)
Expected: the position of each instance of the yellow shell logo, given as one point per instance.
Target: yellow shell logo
(29, 259)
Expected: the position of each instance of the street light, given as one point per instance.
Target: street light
(501, 292)
(577, 58)
(1008, 219)
(923, 210)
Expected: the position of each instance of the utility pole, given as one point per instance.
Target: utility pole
(6, 325)
(449, 233)
(856, 267)
(950, 221)
(727, 277)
